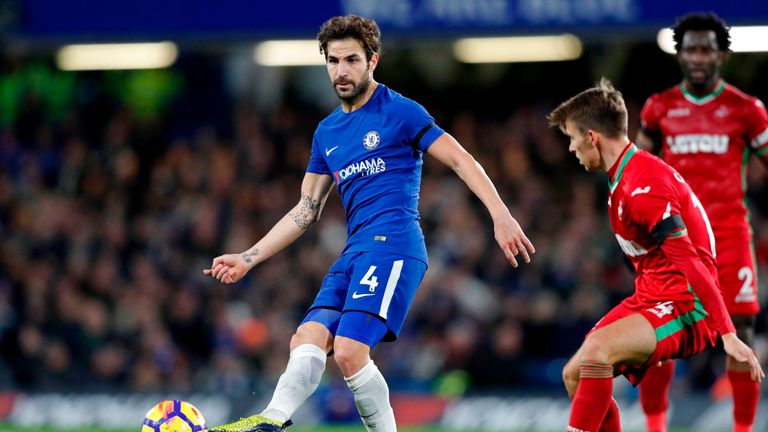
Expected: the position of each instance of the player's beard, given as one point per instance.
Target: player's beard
(702, 84)
(358, 90)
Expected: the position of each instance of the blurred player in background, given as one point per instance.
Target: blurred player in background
(706, 129)
(371, 149)
(677, 309)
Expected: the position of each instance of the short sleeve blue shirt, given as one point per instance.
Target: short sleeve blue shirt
(375, 155)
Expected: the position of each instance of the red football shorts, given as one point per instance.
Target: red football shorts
(682, 331)
(736, 272)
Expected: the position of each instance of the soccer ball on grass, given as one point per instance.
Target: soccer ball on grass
(174, 416)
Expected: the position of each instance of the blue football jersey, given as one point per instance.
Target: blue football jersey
(375, 155)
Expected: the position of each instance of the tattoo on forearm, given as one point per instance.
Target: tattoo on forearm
(307, 212)
(250, 255)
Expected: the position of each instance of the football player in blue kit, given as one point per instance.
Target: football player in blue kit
(371, 149)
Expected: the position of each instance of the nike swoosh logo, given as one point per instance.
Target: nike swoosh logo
(330, 150)
(356, 296)
(641, 190)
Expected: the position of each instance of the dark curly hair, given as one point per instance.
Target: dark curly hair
(702, 21)
(351, 26)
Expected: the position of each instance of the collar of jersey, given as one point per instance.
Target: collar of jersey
(627, 156)
(704, 99)
(376, 92)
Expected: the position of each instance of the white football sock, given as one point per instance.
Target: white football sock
(372, 399)
(300, 379)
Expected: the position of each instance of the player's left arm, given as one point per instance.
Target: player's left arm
(508, 233)
(671, 235)
(758, 131)
(657, 207)
(679, 249)
(764, 156)
(762, 153)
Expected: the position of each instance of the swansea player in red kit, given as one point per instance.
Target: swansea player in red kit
(706, 129)
(677, 309)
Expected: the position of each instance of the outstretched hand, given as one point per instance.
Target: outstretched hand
(228, 268)
(512, 240)
(740, 351)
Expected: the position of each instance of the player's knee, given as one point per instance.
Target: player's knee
(571, 378)
(312, 333)
(296, 340)
(349, 358)
(596, 350)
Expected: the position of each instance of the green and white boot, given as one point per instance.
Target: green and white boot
(256, 423)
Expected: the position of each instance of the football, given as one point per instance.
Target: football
(174, 416)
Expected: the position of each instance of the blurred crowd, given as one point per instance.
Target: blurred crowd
(109, 214)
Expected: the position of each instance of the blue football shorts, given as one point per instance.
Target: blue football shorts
(378, 284)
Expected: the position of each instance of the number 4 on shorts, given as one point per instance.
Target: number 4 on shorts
(662, 308)
(370, 280)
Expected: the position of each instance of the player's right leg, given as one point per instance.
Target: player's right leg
(306, 364)
(612, 420)
(309, 350)
(746, 392)
(738, 281)
(628, 340)
(654, 395)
